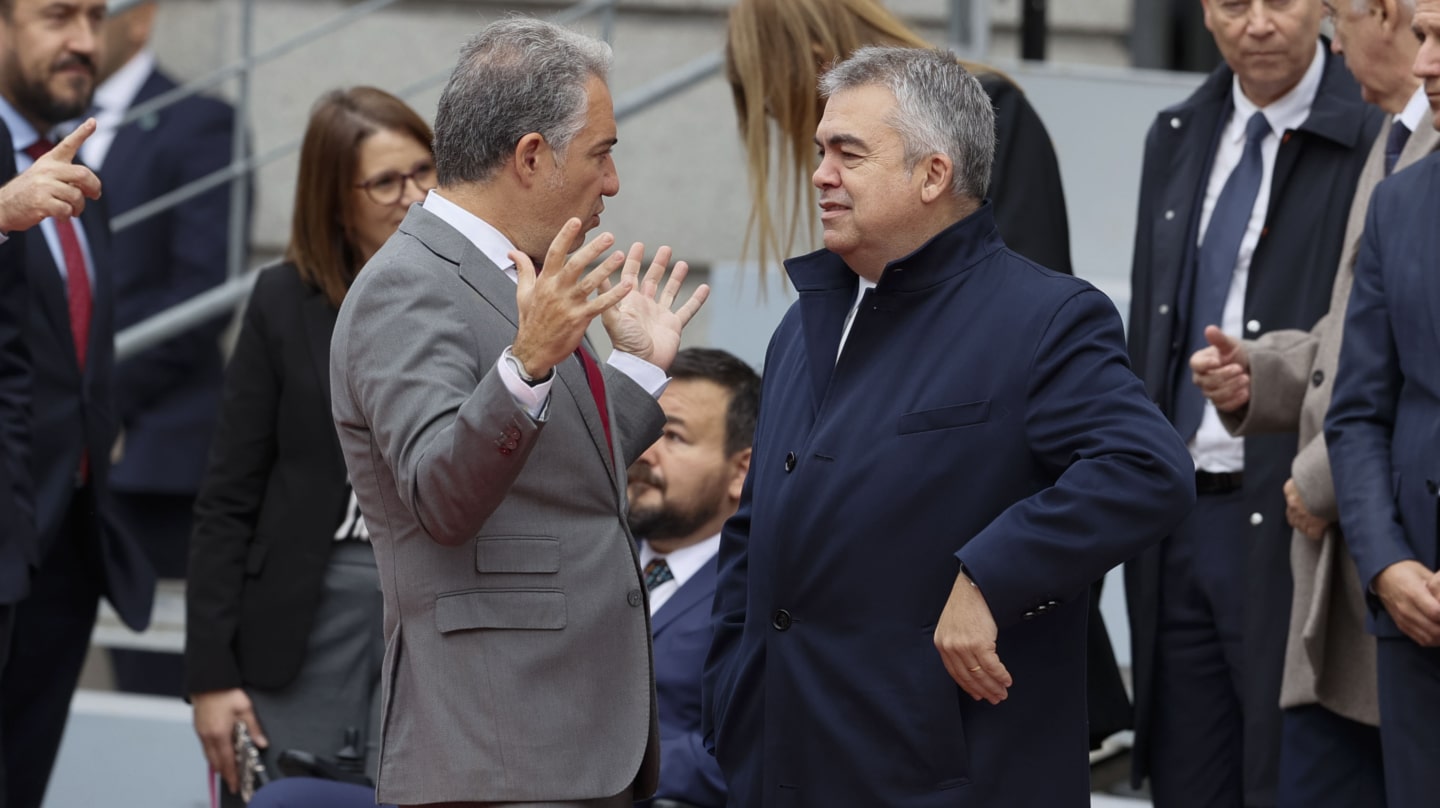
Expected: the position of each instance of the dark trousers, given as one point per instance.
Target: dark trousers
(160, 524)
(1410, 721)
(1328, 761)
(1198, 754)
(48, 646)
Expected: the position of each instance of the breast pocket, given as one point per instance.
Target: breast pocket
(952, 417)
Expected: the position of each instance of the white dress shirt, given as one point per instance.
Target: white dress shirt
(1212, 447)
(113, 99)
(497, 247)
(684, 563)
(860, 291)
(1417, 111)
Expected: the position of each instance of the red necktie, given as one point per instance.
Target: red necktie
(77, 279)
(597, 390)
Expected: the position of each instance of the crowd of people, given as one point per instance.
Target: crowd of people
(440, 552)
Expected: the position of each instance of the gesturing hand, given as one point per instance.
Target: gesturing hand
(1222, 371)
(556, 307)
(965, 637)
(53, 186)
(642, 324)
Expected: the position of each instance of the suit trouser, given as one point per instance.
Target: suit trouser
(1409, 721)
(1198, 754)
(48, 647)
(1328, 761)
(160, 524)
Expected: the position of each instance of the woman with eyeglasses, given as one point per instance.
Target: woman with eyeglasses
(283, 625)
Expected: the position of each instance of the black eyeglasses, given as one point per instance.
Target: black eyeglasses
(388, 188)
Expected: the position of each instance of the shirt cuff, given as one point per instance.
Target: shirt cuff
(532, 399)
(648, 376)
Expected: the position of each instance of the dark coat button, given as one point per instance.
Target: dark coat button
(1318, 378)
(789, 462)
(781, 621)
(633, 597)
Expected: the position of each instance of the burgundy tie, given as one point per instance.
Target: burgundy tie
(77, 279)
(597, 390)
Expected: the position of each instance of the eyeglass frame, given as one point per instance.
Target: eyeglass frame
(368, 186)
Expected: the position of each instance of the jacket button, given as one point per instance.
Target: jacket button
(1030, 615)
(790, 462)
(781, 622)
(1174, 123)
(1318, 378)
(504, 450)
(1164, 308)
(1257, 518)
(633, 597)
(1169, 214)
(1253, 326)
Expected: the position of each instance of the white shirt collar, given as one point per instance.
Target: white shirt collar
(118, 92)
(21, 132)
(686, 561)
(1288, 111)
(481, 233)
(1416, 110)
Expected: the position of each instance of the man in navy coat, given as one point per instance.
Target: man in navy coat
(167, 398)
(1383, 432)
(681, 490)
(951, 447)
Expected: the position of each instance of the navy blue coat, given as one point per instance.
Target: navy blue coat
(681, 628)
(1383, 428)
(1291, 275)
(18, 549)
(168, 398)
(983, 412)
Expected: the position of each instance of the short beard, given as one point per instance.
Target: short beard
(666, 522)
(34, 99)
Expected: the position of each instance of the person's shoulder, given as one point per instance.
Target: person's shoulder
(278, 279)
(1409, 190)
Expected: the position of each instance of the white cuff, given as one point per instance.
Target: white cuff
(532, 399)
(648, 376)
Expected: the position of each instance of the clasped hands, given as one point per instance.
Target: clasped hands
(558, 302)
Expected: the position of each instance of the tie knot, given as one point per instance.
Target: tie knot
(1257, 128)
(657, 572)
(39, 148)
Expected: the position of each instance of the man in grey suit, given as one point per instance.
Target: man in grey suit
(1330, 744)
(488, 448)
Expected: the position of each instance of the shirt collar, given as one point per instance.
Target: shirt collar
(118, 92)
(1288, 111)
(21, 132)
(1413, 115)
(481, 233)
(684, 562)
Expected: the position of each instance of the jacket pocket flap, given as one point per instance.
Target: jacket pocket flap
(945, 417)
(535, 554)
(500, 608)
(255, 559)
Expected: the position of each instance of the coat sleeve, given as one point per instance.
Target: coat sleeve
(1025, 185)
(1123, 477)
(198, 233)
(1361, 421)
(1141, 303)
(1280, 365)
(227, 509)
(689, 772)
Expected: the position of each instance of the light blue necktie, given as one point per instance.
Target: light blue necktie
(1216, 264)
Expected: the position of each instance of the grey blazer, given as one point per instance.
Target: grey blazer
(1329, 658)
(517, 637)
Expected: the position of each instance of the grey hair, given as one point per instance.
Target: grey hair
(939, 108)
(516, 76)
(1361, 6)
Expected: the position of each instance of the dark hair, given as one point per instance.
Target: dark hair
(321, 244)
(730, 372)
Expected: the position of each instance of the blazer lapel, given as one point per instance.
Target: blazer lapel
(698, 589)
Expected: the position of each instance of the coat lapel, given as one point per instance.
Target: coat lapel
(699, 589)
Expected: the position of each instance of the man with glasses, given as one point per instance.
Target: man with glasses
(1243, 201)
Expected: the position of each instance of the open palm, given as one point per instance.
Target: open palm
(643, 322)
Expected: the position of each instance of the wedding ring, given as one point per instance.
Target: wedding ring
(976, 668)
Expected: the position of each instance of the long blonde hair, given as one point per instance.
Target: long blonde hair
(774, 54)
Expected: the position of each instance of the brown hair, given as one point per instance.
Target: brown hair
(774, 55)
(321, 244)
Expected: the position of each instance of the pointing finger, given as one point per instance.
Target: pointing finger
(66, 149)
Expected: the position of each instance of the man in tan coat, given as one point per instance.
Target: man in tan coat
(1330, 749)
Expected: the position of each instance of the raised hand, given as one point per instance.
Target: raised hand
(555, 304)
(644, 324)
(1222, 371)
(53, 186)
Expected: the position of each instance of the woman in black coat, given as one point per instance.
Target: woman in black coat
(283, 622)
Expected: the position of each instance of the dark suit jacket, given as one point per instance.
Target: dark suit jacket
(681, 627)
(1018, 442)
(272, 498)
(1383, 428)
(1025, 184)
(74, 414)
(167, 398)
(18, 550)
(1291, 274)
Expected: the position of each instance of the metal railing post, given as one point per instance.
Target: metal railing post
(239, 186)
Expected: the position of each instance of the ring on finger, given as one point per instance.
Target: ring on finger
(976, 668)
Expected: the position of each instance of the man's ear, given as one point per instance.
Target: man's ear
(939, 174)
(530, 153)
(739, 467)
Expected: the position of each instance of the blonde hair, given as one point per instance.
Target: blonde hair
(774, 54)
